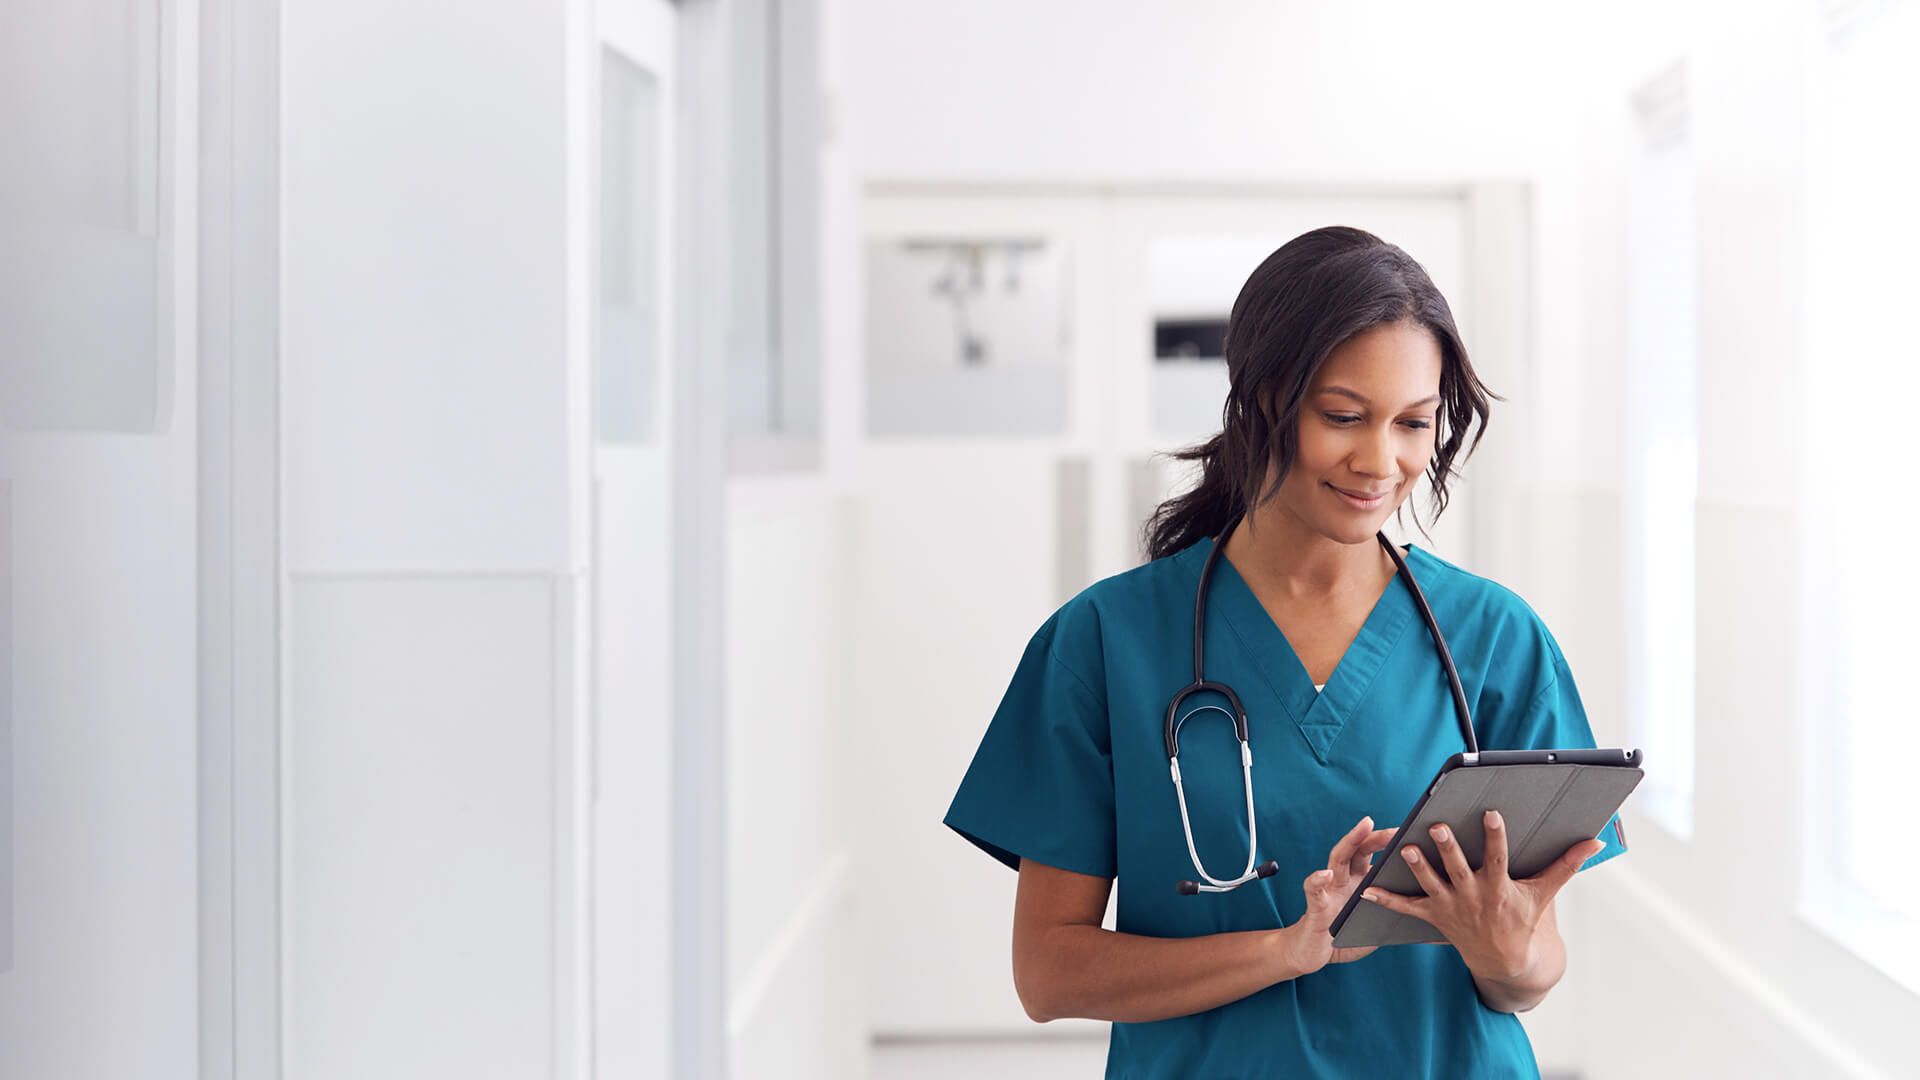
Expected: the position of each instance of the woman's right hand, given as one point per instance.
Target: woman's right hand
(1309, 942)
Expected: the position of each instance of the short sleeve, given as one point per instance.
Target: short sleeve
(1556, 720)
(1041, 783)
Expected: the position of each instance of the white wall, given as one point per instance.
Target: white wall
(425, 830)
(793, 786)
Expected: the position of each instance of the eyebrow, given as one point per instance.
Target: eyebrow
(1344, 392)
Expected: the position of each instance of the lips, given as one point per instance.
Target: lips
(1363, 495)
(1360, 500)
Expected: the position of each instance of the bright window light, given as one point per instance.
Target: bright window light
(1862, 382)
(1662, 457)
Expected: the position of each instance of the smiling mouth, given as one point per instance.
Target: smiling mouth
(1359, 504)
(1359, 496)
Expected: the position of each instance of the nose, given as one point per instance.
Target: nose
(1374, 456)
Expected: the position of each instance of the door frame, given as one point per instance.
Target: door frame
(238, 514)
(698, 469)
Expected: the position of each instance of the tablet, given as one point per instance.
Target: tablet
(1550, 800)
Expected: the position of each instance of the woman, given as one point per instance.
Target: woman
(1348, 381)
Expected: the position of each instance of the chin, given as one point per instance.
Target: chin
(1362, 534)
(1350, 531)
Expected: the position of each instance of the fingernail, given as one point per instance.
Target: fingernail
(1373, 895)
(1493, 819)
(1410, 854)
(1440, 834)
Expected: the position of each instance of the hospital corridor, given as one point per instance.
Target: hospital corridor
(918, 540)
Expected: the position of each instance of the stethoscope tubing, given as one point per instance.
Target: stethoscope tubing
(1238, 714)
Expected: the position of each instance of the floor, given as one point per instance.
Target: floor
(1003, 1059)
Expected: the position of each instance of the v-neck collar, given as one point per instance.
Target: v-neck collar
(1320, 715)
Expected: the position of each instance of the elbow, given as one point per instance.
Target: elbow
(1510, 1003)
(1033, 998)
(1035, 989)
(1035, 1012)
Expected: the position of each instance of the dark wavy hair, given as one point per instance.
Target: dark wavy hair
(1306, 299)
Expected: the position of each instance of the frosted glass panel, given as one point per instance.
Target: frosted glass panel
(80, 215)
(629, 251)
(966, 336)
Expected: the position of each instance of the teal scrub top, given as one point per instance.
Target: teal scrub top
(1072, 773)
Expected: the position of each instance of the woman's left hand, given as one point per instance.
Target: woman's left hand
(1484, 913)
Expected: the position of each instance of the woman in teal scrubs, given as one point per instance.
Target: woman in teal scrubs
(1348, 381)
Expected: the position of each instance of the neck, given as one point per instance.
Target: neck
(1280, 552)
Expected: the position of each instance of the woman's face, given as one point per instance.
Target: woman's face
(1366, 429)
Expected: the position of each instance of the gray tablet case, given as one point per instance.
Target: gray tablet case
(1550, 800)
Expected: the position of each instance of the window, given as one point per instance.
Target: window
(1661, 457)
(773, 180)
(87, 292)
(1861, 383)
(625, 364)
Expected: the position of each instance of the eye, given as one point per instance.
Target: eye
(1418, 424)
(1341, 419)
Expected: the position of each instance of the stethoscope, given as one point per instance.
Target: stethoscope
(1239, 716)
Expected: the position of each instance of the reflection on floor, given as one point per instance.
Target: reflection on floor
(1005, 1059)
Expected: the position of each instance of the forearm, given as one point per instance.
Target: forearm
(1086, 971)
(1527, 985)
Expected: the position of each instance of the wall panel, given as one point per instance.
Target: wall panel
(423, 901)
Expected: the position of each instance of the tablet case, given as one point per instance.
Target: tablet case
(1550, 800)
